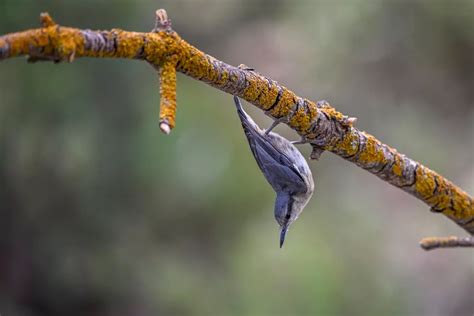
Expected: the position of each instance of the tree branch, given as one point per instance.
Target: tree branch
(431, 243)
(319, 123)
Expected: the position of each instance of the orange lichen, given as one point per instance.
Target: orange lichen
(222, 78)
(300, 121)
(254, 88)
(349, 145)
(334, 114)
(284, 105)
(425, 183)
(397, 167)
(269, 97)
(168, 95)
(372, 153)
(129, 45)
(156, 46)
(67, 43)
(313, 112)
(444, 197)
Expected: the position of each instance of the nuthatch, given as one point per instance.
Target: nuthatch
(284, 168)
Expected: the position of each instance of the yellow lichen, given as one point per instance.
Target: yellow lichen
(128, 45)
(372, 153)
(300, 121)
(253, 89)
(168, 93)
(332, 113)
(349, 144)
(425, 183)
(286, 102)
(446, 197)
(222, 79)
(268, 98)
(397, 167)
(69, 43)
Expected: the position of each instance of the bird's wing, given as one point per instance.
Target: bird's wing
(278, 169)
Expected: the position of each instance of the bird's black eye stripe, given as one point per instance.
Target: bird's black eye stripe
(288, 210)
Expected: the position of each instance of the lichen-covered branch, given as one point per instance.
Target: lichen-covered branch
(319, 123)
(168, 96)
(446, 242)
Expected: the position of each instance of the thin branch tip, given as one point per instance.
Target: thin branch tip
(162, 22)
(165, 128)
(352, 120)
(167, 74)
(431, 243)
(245, 67)
(46, 20)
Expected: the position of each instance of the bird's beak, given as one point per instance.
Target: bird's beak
(283, 231)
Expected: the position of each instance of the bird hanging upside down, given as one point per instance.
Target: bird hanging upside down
(284, 168)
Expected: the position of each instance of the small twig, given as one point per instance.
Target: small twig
(46, 20)
(446, 242)
(167, 73)
(162, 22)
(167, 96)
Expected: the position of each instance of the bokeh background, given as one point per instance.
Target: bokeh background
(101, 214)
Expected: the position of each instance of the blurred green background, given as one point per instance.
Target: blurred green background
(101, 214)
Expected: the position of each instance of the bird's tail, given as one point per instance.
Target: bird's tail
(240, 110)
(247, 123)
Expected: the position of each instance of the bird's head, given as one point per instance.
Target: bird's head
(287, 209)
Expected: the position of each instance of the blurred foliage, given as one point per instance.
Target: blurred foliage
(101, 214)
